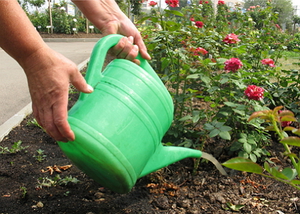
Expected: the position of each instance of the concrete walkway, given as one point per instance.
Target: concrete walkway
(15, 102)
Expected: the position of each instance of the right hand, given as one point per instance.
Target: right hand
(49, 75)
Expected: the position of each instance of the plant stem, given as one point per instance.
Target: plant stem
(278, 179)
(286, 147)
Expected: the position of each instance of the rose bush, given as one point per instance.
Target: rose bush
(193, 52)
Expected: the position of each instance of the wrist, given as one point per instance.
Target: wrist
(34, 61)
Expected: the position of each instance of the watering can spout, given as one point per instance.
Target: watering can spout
(166, 155)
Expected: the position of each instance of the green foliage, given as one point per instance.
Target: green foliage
(33, 122)
(56, 181)
(24, 192)
(62, 22)
(284, 8)
(209, 100)
(275, 118)
(40, 21)
(294, 42)
(15, 148)
(40, 155)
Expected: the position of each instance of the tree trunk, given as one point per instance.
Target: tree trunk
(50, 16)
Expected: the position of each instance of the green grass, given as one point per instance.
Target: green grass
(288, 60)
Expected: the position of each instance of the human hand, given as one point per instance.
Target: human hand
(128, 47)
(107, 16)
(49, 75)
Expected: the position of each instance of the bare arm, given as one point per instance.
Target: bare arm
(48, 73)
(107, 16)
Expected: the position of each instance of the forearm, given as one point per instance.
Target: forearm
(101, 12)
(18, 37)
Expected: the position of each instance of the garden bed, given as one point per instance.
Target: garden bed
(30, 184)
(170, 190)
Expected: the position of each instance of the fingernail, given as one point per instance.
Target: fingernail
(90, 88)
(130, 39)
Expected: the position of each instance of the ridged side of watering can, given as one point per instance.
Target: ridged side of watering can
(129, 108)
(118, 128)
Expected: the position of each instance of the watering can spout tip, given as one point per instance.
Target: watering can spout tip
(166, 155)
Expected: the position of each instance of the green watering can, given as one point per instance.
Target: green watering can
(119, 127)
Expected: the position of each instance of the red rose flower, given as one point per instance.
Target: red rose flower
(231, 39)
(152, 3)
(199, 24)
(268, 62)
(192, 19)
(200, 2)
(200, 50)
(172, 3)
(254, 92)
(221, 2)
(278, 26)
(233, 64)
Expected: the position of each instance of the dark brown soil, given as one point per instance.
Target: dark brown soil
(170, 190)
(173, 189)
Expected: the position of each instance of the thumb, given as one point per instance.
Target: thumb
(79, 83)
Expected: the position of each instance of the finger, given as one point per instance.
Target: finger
(118, 48)
(127, 48)
(79, 83)
(60, 116)
(142, 47)
(50, 126)
(133, 53)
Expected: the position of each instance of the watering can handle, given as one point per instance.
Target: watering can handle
(94, 72)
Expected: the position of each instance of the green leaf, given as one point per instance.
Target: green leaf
(208, 127)
(214, 133)
(234, 207)
(243, 164)
(221, 60)
(267, 167)
(292, 141)
(205, 79)
(193, 76)
(295, 182)
(288, 118)
(247, 147)
(242, 140)
(231, 104)
(253, 157)
(225, 128)
(165, 62)
(296, 131)
(278, 174)
(289, 173)
(225, 135)
(224, 80)
(174, 12)
(187, 117)
(196, 118)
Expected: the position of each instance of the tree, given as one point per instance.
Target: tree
(36, 3)
(296, 20)
(284, 8)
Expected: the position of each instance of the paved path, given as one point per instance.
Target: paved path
(14, 94)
